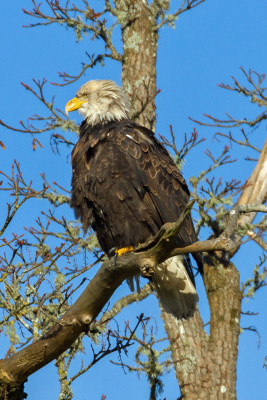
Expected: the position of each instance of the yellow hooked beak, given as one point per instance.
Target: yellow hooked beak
(74, 104)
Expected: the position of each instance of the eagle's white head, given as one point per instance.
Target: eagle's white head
(100, 101)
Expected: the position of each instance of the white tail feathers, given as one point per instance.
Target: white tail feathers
(175, 290)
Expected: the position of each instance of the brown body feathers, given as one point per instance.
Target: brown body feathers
(126, 186)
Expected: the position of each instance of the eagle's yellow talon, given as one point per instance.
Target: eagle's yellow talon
(124, 250)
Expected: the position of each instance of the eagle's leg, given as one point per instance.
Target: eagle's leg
(115, 259)
(112, 253)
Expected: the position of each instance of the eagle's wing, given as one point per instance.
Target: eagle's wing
(156, 178)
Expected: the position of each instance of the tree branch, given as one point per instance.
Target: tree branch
(170, 18)
(14, 370)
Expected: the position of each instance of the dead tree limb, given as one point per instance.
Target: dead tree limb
(255, 191)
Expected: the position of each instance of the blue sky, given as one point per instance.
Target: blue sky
(208, 46)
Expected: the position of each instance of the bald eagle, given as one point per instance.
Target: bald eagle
(126, 186)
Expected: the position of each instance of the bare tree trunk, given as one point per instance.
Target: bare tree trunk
(205, 365)
(140, 41)
(222, 285)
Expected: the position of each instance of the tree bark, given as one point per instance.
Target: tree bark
(140, 41)
(205, 364)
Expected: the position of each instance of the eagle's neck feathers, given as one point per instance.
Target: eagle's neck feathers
(106, 102)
